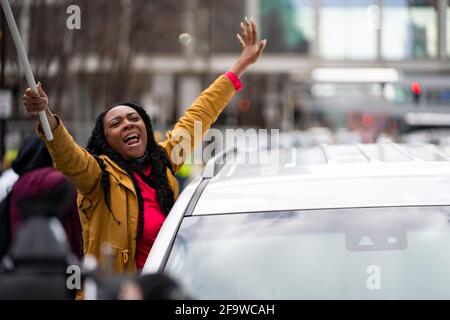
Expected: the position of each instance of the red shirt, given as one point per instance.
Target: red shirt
(153, 220)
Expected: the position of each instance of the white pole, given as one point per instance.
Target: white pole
(25, 63)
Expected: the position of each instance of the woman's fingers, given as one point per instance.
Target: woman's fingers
(249, 31)
(31, 93)
(40, 90)
(31, 108)
(262, 45)
(241, 40)
(244, 32)
(34, 100)
(254, 31)
(40, 93)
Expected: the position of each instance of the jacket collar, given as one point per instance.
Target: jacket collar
(119, 174)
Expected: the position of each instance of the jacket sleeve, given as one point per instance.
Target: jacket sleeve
(78, 165)
(187, 133)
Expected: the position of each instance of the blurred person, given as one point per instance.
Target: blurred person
(7, 180)
(32, 154)
(9, 157)
(139, 287)
(8, 177)
(184, 174)
(126, 181)
(37, 178)
(36, 265)
(160, 287)
(145, 287)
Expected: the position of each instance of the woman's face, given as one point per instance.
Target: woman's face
(125, 132)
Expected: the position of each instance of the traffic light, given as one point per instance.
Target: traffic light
(416, 90)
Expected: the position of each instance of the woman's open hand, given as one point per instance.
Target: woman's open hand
(252, 47)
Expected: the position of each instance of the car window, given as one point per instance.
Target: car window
(359, 253)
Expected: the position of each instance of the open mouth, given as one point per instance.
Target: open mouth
(132, 139)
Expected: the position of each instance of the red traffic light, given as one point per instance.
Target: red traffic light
(367, 120)
(244, 105)
(416, 88)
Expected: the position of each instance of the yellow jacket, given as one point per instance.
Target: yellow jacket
(80, 167)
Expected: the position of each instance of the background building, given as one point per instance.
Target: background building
(343, 64)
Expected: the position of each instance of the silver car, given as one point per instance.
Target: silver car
(331, 222)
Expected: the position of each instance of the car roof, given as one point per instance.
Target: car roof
(326, 176)
(322, 177)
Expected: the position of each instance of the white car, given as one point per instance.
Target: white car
(333, 222)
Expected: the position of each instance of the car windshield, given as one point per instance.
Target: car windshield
(357, 253)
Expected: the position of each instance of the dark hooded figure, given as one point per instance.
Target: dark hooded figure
(36, 264)
(38, 178)
(32, 155)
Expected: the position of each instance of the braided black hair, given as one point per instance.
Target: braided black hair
(155, 155)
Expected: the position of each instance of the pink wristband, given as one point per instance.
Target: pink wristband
(234, 80)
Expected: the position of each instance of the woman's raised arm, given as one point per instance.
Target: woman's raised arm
(199, 117)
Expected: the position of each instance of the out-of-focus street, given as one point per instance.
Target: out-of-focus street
(356, 93)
